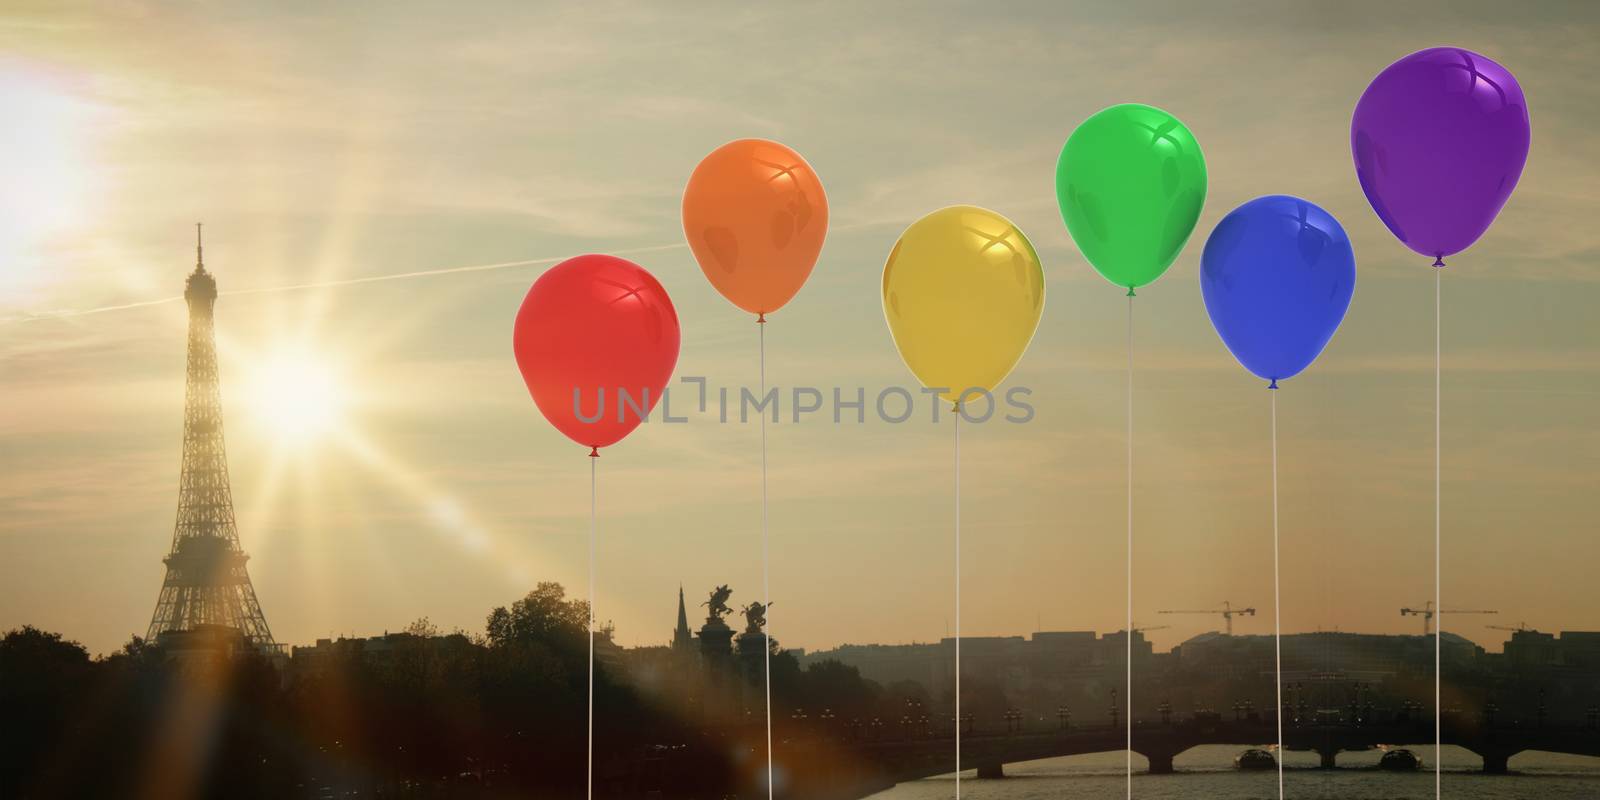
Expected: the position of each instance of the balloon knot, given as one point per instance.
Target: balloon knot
(1130, 292)
(1274, 384)
(594, 452)
(1438, 261)
(761, 317)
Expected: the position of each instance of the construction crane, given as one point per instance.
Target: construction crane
(1521, 627)
(1227, 611)
(1426, 612)
(1141, 628)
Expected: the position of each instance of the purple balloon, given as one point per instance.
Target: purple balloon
(1440, 139)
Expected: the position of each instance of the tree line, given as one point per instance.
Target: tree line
(497, 713)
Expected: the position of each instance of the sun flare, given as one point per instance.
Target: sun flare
(297, 397)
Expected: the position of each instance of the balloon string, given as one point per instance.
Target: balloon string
(766, 594)
(1277, 613)
(957, 426)
(1129, 752)
(1439, 608)
(589, 773)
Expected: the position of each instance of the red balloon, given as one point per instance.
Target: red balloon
(601, 327)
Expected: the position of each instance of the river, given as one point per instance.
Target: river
(1206, 773)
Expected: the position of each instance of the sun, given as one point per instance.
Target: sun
(297, 397)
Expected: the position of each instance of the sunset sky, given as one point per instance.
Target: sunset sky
(387, 462)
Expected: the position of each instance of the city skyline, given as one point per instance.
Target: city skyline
(378, 198)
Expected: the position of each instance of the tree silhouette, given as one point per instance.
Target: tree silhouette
(417, 713)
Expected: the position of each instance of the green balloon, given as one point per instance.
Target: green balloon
(1130, 182)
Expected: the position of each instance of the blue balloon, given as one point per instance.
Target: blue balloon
(1277, 275)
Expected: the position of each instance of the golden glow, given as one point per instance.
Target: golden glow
(297, 397)
(47, 180)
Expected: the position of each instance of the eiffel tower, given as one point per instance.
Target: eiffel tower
(206, 581)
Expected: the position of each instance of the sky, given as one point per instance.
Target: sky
(387, 463)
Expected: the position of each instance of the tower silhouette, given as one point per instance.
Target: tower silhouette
(682, 639)
(206, 581)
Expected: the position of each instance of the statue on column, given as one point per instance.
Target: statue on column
(755, 618)
(717, 605)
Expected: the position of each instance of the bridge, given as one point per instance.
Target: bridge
(857, 768)
(845, 762)
(914, 759)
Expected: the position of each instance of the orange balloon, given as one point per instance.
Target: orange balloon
(755, 217)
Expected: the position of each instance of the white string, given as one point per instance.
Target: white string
(1277, 614)
(1439, 608)
(958, 599)
(766, 594)
(1129, 721)
(588, 784)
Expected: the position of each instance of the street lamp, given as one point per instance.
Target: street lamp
(912, 717)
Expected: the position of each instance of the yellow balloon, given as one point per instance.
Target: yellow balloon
(962, 291)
